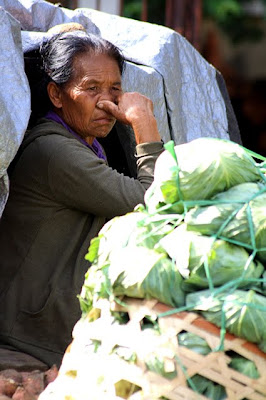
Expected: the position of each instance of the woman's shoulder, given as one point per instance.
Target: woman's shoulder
(49, 134)
(46, 127)
(46, 140)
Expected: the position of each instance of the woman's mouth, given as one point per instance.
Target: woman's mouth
(104, 121)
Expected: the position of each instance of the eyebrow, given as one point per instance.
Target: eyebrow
(92, 81)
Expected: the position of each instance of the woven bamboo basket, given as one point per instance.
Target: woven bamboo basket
(96, 375)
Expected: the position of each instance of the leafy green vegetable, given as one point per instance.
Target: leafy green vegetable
(204, 262)
(138, 228)
(202, 168)
(244, 312)
(245, 366)
(156, 364)
(200, 346)
(207, 388)
(203, 227)
(198, 383)
(194, 342)
(124, 262)
(134, 271)
(215, 391)
(148, 274)
(125, 353)
(238, 214)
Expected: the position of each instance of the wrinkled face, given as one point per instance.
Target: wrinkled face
(96, 77)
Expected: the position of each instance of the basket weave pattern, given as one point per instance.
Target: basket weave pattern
(213, 366)
(82, 369)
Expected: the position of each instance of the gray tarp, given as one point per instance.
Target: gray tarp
(14, 97)
(189, 95)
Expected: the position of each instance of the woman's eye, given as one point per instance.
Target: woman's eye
(116, 89)
(92, 88)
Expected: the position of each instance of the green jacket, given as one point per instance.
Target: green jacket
(61, 195)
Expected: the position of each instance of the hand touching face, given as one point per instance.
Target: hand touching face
(93, 100)
(135, 110)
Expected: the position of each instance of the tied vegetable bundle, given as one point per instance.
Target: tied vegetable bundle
(197, 171)
(198, 243)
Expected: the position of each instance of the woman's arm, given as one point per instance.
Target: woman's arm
(79, 179)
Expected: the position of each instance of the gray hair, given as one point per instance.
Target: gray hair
(59, 52)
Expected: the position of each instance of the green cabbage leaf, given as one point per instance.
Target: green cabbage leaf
(244, 366)
(137, 228)
(134, 271)
(194, 342)
(205, 262)
(207, 388)
(238, 214)
(125, 261)
(242, 313)
(196, 171)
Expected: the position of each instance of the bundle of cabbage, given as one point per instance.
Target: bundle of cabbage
(216, 240)
(125, 261)
(198, 243)
(238, 214)
(244, 311)
(196, 171)
(204, 261)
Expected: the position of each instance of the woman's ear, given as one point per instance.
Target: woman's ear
(54, 94)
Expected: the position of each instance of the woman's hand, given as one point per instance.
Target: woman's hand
(136, 110)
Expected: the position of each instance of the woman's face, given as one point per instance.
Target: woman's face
(96, 77)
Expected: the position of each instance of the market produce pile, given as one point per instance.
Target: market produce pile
(198, 244)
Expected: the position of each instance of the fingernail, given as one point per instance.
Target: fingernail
(99, 105)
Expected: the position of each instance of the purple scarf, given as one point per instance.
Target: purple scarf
(95, 147)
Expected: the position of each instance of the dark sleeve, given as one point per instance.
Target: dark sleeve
(80, 180)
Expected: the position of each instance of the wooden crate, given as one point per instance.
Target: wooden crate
(112, 369)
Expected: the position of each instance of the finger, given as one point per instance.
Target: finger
(107, 106)
(112, 109)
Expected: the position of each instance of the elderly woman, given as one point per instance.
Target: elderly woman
(62, 191)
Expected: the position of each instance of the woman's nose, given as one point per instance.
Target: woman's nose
(108, 94)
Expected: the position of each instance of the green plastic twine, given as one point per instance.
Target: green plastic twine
(170, 146)
(222, 330)
(189, 380)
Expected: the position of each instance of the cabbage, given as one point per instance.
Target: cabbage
(199, 383)
(197, 255)
(194, 342)
(134, 271)
(202, 168)
(243, 207)
(244, 312)
(137, 228)
(200, 346)
(124, 262)
(207, 388)
(155, 362)
(244, 366)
